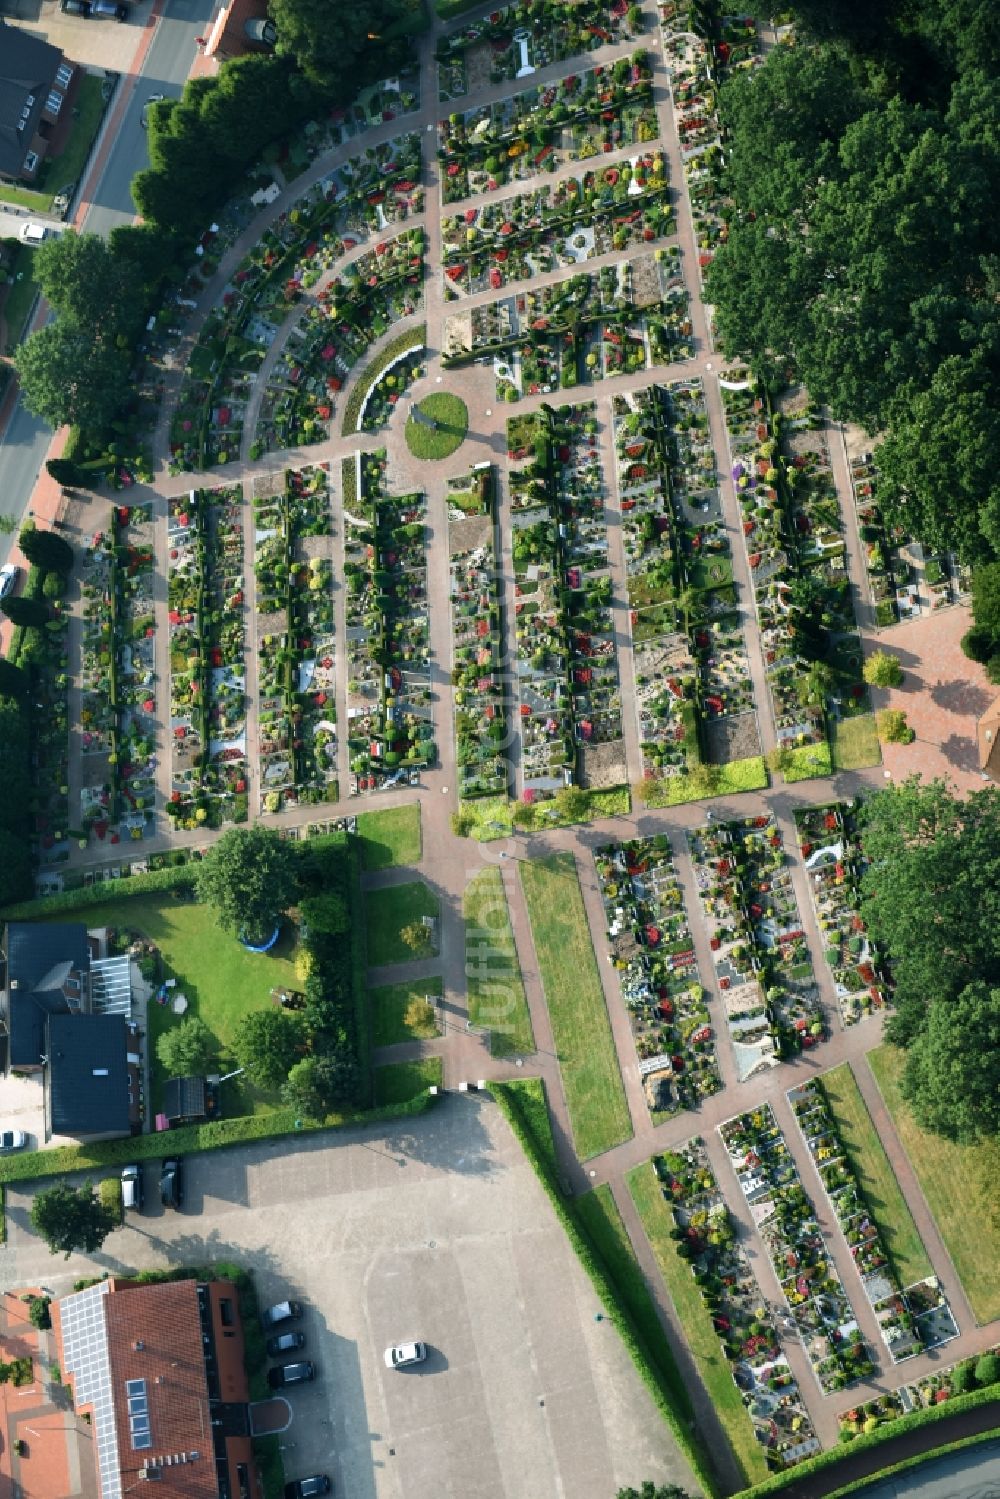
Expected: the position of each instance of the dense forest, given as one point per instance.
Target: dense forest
(863, 162)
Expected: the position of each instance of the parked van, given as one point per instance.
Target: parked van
(109, 9)
(132, 1188)
(33, 233)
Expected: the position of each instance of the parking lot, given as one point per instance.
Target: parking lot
(436, 1231)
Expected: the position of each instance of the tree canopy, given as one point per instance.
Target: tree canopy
(267, 1045)
(336, 51)
(188, 1049)
(952, 1074)
(249, 878)
(68, 375)
(69, 1218)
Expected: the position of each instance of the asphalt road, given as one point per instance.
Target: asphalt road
(167, 64)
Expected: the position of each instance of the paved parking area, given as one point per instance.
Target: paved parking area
(436, 1231)
(95, 42)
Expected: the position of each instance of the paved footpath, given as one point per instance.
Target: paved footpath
(448, 863)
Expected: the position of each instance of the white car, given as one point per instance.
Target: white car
(8, 577)
(12, 1139)
(401, 1355)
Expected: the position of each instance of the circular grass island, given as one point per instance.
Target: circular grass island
(440, 428)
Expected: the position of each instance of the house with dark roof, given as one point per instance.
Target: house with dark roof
(35, 79)
(160, 1369)
(66, 1017)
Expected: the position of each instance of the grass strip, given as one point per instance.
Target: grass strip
(806, 762)
(497, 1001)
(874, 1176)
(388, 911)
(390, 837)
(595, 1095)
(959, 1183)
(708, 781)
(854, 743)
(390, 1008)
(633, 1317)
(403, 1082)
(696, 1323)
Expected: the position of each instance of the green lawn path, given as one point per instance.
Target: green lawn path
(879, 1187)
(390, 837)
(398, 1082)
(497, 1000)
(959, 1183)
(595, 1095)
(388, 1010)
(696, 1323)
(387, 912)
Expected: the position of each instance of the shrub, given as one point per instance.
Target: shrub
(882, 669)
(987, 1370)
(978, 644)
(892, 726)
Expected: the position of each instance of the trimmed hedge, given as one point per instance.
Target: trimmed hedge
(216, 1134)
(909, 1463)
(181, 877)
(518, 1101)
(900, 1427)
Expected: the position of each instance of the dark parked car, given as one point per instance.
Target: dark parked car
(76, 7)
(171, 1183)
(111, 10)
(306, 1488)
(288, 1374)
(282, 1311)
(285, 1342)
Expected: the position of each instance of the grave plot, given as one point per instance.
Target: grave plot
(651, 947)
(729, 1289)
(909, 1320)
(364, 197)
(755, 931)
(693, 689)
(205, 594)
(555, 336)
(616, 208)
(834, 863)
(799, 1253)
(542, 129)
(517, 40)
(934, 1389)
(568, 684)
(349, 313)
(296, 652)
(696, 68)
(902, 577)
(118, 707)
(481, 729)
(389, 714)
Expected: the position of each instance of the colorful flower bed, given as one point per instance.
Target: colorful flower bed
(739, 1311)
(205, 593)
(920, 1394)
(652, 949)
(787, 1224)
(832, 855)
(349, 313)
(615, 208)
(755, 930)
(909, 1320)
(389, 713)
(542, 129)
(521, 38)
(568, 685)
(480, 693)
(690, 655)
(296, 675)
(384, 395)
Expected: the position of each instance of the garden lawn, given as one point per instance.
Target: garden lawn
(401, 1081)
(88, 111)
(806, 762)
(389, 1005)
(696, 1323)
(390, 837)
(497, 1000)
(222, 981)
(20, 297)
(672, 791)
(387, 912)
(854, 743)
(959, 1183)
(870, 1164)
(452, 416)
(591, 1076)
(491, 818)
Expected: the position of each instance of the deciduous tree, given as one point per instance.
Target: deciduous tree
(188, 1049)
(267, 1045)
(249, 878)
(952, 1074)
(70, 1218)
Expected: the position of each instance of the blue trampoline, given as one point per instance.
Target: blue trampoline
(264, 946)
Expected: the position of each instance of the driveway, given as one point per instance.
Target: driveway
(437, 1231)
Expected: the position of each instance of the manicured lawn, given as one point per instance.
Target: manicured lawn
(959, 1183)
(696, 1322)
(806, 762)
(222, 981)
(390, 837)
(738, 775)
(595, 1095)
(452, 417)
(870, 1163)
(854, 743)
(496, 993)
(491, 816)
(21, 292)
(387, 912)
(63, 170)
(389, 1006)
(401, 1081)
